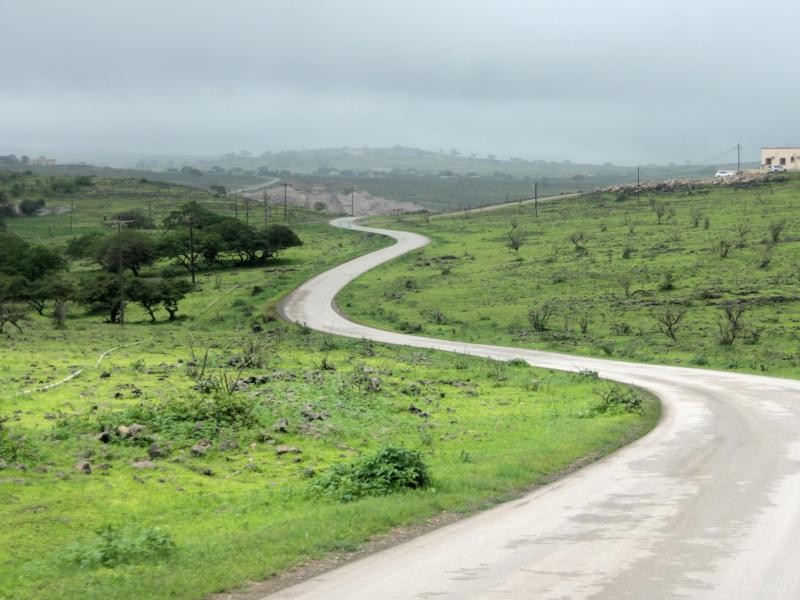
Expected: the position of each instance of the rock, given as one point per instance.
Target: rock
(144, 464)
(83, 466)
(156, 451)
(3, 464)
(264, 436)
(414, 410)
(284, 449)
(105, 375)
(309, 472)
(309, 414)
(135, 429)
(118, 395)
(374, 384)
(104, 436)
(199, 425)
(281, 425)
(123, 431)
(207, 472)
(229, 445)
(88, 453)
(201, 447)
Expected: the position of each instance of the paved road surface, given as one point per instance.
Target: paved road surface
(705, 506)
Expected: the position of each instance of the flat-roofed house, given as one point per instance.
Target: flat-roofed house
(788, 157)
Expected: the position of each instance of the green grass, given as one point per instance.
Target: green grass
(469, 285)
(241, 511)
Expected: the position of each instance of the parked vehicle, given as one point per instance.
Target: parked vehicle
(724, 173)
(776, 169)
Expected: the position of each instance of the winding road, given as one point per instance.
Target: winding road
(707, 505)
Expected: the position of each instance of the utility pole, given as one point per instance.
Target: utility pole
(285, 185)
(121, 278)
(71, 211)
(150, 210)
(352, 200)
(638, 185)
(266, 210)
(247, 210)
(738, 158)
(536, 199)
(235, 204)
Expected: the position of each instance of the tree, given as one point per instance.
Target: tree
(125, 250)
(152, 293)
(732, 323)
(539, 315)
(136, 219)
(11, 314)
(669, 319)
(279, 238)
(101, 293)
(516, 237)
(30, 207)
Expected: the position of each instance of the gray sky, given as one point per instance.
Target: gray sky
(622, 81)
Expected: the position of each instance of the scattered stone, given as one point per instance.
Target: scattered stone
(374, 384)
(87, 453)
(229, 445)
(105, 375)
(104, 436)
(201, 447)
(156, 451)
(50, 416)
(135, 429)
(123, 431)
(284, 449)
(118, 395)
(199, 425)
(414, 410)
(3, 464)
(144, 464)
(281, 425)
(21, 467)
(263, 436)
(309, 414)
(83, 466)
(309, 472)
(207, 472)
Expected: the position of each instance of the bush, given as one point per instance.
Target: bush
(391, 469)
(29, 206)
(14, 446)
(616, 399)
(115, 546)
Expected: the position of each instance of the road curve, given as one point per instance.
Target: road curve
(707, 505)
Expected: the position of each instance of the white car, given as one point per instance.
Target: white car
(724, 173)
(776, 169)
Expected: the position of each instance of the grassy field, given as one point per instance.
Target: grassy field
(615, 275)
(187, 457)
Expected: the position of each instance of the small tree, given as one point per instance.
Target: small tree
(516, 237)
(775, 231)
(539, 315)
(579, 239)
(660, 211)
(732, 322)
(742, 231)
(668, 320)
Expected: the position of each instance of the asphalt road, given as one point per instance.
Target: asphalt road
(705, 506)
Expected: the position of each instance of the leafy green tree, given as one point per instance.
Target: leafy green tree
(127, 249)
(30, 206)
(151, 293)
(136, 219)
(100, 292)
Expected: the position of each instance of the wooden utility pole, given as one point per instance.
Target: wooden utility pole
(285, 185)
(638, 185)
(247, 210)
(738, 158)
(352, 200)
(120, 277)
(235, 204)
(536, 199)
(266, 210)
(71, 211)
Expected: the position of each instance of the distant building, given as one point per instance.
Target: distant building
(786, 157)
(42, 161)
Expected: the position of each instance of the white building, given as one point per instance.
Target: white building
(785, 156)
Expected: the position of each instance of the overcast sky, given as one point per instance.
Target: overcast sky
(629, 82)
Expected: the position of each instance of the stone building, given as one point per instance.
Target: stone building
(785, 156)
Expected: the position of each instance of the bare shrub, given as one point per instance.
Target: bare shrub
(669, 319)
(732, 322)
(538, 316)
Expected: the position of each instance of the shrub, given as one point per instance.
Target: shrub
(114, 547)
(391, 469)
(616, 399)
(13, 445)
